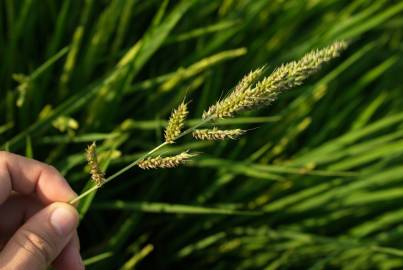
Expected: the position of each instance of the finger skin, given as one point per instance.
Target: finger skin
(70, 257)
(41, 185)
(18, 209)
(27, 176)
(41, 239)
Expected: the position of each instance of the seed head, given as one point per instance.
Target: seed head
(165, 162)
(243, 85)
(176, 123)
(97, 176)
(217, 134)
(265, 91)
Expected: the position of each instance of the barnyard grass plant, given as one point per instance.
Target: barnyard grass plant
(251, 93)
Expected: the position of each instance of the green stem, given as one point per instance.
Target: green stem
(134, 163)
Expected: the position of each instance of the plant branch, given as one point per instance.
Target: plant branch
(134, 163)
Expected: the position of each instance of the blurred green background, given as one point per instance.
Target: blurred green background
(317, 185)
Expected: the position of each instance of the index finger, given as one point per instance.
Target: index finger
(27, 176)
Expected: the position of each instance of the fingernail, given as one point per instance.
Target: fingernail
(63, 220)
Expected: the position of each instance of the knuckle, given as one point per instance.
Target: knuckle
(51, 170)
(35, 244)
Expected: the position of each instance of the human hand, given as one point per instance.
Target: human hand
(37, 226)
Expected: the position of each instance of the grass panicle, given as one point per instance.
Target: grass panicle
(247, 96)
(165, 162)
(97, 176)
(249, 93)
(176, 123)
(216, 134)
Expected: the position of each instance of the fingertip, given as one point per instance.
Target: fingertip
(42, 237)
(64, 218)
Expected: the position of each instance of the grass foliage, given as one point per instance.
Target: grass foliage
(318, 185)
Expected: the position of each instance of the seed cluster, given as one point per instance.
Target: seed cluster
(97, 176)
(176, 123)
(223, 108)
(217, 134)
(165, 162)
(248, 96)
(250, 93)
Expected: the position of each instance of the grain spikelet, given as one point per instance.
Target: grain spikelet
(176, 123)
(217, 134)
(97, 176)
(165, 162)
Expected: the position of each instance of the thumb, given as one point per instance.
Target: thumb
(40, 240)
